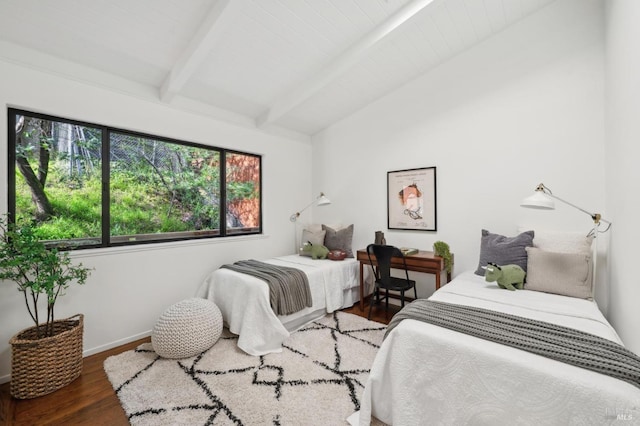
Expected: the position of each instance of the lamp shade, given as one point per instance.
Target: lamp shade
(323, 201)
(538, 201)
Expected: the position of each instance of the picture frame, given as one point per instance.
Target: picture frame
(411, 199)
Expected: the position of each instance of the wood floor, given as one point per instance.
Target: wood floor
(90, 399)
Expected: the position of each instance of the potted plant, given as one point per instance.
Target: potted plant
(48, 355)
(442, 249)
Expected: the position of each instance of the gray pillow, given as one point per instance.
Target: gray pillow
(339, 240)
(503, 250)
(568, 274)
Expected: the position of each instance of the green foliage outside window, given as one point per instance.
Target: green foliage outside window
(158, 189)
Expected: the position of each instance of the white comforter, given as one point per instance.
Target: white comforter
(244, 299)
(427, 375)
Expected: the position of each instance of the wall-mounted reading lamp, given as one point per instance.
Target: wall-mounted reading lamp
(321, 200)
(543, 198)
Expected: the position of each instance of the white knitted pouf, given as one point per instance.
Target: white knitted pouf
(187, 328)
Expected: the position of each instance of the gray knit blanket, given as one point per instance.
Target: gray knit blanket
(564, 344)
(289, 290)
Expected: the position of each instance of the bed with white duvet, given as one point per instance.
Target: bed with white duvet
(244, 300)
(429, 375)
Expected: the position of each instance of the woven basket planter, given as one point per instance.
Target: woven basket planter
(42, 366)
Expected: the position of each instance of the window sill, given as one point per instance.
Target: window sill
(108, 251)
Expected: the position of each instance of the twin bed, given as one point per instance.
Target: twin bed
(445, 374)
(244, 300)
(426, 374)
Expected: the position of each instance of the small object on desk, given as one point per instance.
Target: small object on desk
(407, 251)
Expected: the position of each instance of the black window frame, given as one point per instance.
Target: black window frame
(107, 239)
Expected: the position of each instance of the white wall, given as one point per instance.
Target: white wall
(131, 287)
(523, 107)
(623, 159)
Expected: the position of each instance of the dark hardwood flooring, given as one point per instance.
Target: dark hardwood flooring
(90, 399)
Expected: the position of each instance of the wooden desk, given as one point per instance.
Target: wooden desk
(423, 261)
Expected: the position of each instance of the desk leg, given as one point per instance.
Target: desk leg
(437, 274)
(361, 287)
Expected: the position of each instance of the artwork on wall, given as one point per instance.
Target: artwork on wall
(411, 199)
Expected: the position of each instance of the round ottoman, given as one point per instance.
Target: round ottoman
(187, 328)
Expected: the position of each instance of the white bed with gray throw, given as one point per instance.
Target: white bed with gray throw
(507, 357)
(245, 302)
(250, 309)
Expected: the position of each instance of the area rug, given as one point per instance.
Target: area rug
(317, 379)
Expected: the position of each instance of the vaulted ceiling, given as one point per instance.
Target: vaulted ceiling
(295, 66)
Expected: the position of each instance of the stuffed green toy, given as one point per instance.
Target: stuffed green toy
(317, 251)
(510, 277)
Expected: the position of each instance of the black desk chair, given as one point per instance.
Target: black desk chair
(382, 274)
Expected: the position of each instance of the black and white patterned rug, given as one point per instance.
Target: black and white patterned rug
(316, 380)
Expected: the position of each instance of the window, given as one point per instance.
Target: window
(150, 189)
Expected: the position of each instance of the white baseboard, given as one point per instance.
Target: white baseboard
(98, 349)
(116, 343)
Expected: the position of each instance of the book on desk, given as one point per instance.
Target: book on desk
(408, 251)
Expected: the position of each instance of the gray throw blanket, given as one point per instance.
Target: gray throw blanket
(552, 341)
(289, 290)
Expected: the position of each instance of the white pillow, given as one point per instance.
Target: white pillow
(313, 227)
(568, 274)
(314, 236)
(562, 242)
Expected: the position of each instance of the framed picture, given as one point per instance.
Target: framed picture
(411, 199)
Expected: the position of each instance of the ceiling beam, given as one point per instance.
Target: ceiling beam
(199, 47)
(341, 63)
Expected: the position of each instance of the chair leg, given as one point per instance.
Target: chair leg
(402, 298)
(415, 291)
(371, 303)
(386, 305)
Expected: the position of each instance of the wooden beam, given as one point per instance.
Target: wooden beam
(341, 63)
(199, 47)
